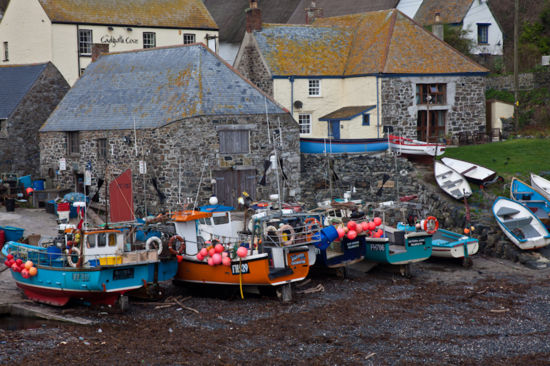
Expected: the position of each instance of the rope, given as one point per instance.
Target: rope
(241, 278)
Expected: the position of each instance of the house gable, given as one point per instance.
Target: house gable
(16, 82)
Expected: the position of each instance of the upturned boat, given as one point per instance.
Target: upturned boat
(98, 266)
(541, 185)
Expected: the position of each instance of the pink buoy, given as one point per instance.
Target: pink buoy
(18, 262)
(210, 261)
(341, 232)
(15, 267)
(211, 252)
(371, 225)
(217, 258)
(226, 261)
(204, 252)
(25, 273)
(242, 252)
(218, 248)
(10, 257)
(200, 257)
(7, 263)
(359, 228)
(380, 232)
(352, 234)
(225, 254)
(352, 225)
(365, 225)
(377, 221)
(376, 234)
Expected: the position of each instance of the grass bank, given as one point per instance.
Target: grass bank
(517, 157)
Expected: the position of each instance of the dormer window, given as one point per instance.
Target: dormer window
(482, 33)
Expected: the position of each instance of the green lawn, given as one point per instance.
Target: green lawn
(517, 157)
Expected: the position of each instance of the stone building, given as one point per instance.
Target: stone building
(64, 31)
(28, 94)
(198, 125)
(381, 66)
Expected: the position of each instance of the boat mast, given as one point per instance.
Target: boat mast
(274, 145)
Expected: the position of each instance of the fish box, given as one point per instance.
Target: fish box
(110, 260)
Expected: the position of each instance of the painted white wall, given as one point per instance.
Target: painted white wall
(228, 51)
(27, 30)
(409, 7)
(336, 93)
(500, 110)
(480, 13)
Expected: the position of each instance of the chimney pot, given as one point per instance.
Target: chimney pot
(253, 17)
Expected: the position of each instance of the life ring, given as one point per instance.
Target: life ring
(155, 239)
(281, 233)
(69, 253)
(311, 222)
(171, 245)
(430, 225)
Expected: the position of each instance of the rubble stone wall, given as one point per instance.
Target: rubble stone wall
(252, 67)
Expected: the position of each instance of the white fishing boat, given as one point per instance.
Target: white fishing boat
(406, 146)
(473, 172)
(519, 224)
(541, 185)
(452, 182)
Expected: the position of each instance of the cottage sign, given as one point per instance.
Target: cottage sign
(112, 40)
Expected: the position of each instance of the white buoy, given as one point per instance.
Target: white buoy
(213, 200)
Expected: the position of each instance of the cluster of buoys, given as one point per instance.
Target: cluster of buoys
(27, 269)
(215, 254)
(353, 228)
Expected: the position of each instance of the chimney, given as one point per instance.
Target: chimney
(99, 49)
(253, 17)
(313, 12)
(437, 27)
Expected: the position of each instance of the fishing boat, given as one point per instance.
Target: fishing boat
(451, 181)
(277, 251)
(519, 224)
(409, 147)
(541, 185)
(337, 146)
(473, 172)
(530, 197)
(95, 265)
(221, 225)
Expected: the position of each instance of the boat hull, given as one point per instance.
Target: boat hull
(454, 249)
(254, 270)
(473, 172)
(338, 146)
(347, 253)
(417, 248)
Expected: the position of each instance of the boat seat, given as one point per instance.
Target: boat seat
(505, 211)
(442, 175)
(456, 192)
(469, 169)
(519, 222)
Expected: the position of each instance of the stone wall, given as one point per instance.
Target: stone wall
(526, 82)
(465, 103)
(188, 149)
(250, 65)
(19, 151)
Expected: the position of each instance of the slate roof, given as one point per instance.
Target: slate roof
(346, 113)
(381, 42)
(451, 11)
(150, 13)
(333, 8)
(231, 18)
(155, 87)
(16, 81)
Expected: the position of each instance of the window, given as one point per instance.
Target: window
(436, 92)
(90, 241)
(82, 71)
(483, 33)
(101, 240)
(234, 141)
(85, 42)
(73, 142)
(188, 38)
(3, 128)
(366, 119)
(101, 148)
(314, 89)
(149, 40)
(304, 120)
(6, 53)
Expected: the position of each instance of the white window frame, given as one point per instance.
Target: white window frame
(189, 38)
(149, 40)
(483, 33)
(6, 53)
(304, 120)
(73, 143)
(85, 41)
(314, 88)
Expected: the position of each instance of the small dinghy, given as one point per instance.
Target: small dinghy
(541, 185)
(530, 197)
(452, 182)
(409, 147)
(473, 172)
(519, 224)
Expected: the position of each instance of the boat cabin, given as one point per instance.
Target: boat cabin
(220, 225)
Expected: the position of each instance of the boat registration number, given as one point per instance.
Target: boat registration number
(415, 242)
(84, 277)
(297, 259)
(378, 247)
(353, 244)
(122, 274)
(244, 268)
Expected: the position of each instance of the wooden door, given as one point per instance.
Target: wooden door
(230, 185)
(437, 125)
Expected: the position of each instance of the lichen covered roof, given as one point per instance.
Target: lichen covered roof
(450, 11)
(16, 81)
(154, 87)
(346, 113)
(381, 42)
(331, 8)
(147, 13)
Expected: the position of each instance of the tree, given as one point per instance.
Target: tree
(457, 38)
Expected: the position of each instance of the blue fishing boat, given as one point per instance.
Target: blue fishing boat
(530, 197)
(98, 266)
(338, 146)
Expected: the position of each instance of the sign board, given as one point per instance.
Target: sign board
(87, 178)
(142, 167)
(62, 164)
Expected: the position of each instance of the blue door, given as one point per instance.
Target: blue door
(334, 129)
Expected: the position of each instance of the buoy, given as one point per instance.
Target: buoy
(218, 248)
(200, 257)
(371, 225)
(210, 261)
(7, 263)
(33, 271)
(25, 273)
(179, 257)
(341, 232)
(242, 252)
(466, 231)
(211, 252)
(28, 265)
(217, 258)
(10, 257)
(365, 225)
(352, 234)
(203, 252)
(377, 221)
(15, 268)
(18, 262)
(226, 261)
(352, 225)
(225, 254)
